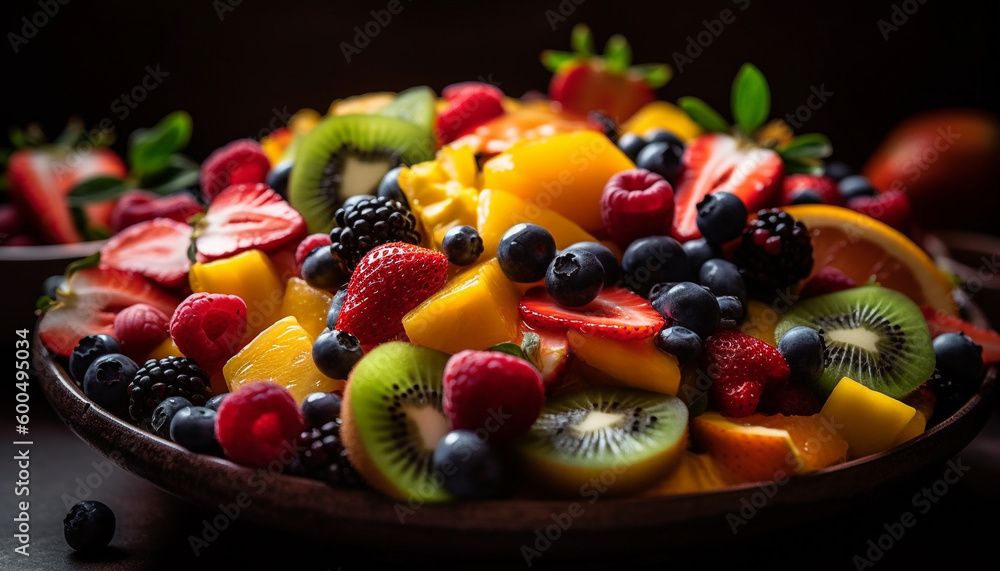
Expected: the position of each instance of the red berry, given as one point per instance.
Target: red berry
(157, 249)
(209, 328)
(827, 280)
(239, 162)
(616, 313)
(891, 208)
(789, 400)
(741, 368)
(258, 425)
(824, 187)
(139, 205)
(492, 391)
(637, 203)
(470, 105)
(247, 216)
(139, 329)
(308, 244)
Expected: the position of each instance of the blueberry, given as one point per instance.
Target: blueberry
(87, 351)
(723, 278)
(664, 136)
(333, 314)
(692, 306)
(462, 245)
(803, 349)
(574, 278)
(165, 412)
(277, 178)
(856, 185)
(194, 428)
(388, 187)
(721, 217)
(730, 308)
(663, 159)
(321, 408)
(631, 144)
(336, 352)
(652, 260)
(467, 465)
(700, 251)
(525, 252)
(959, 358)
(807, 196)
(321, 270)
(612, 269)
(52, 284)
(106, 382)
(837, 170)
(214, 403)
(89, 526)
(680, 342)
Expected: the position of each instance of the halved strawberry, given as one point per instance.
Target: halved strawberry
(40, 178)
(718, 162)
(470, 105)
(244, 217)
(239, 162)
(137, 206)
(617, 313)
(938, 323)
(741, 368)
(157, 249)
(388, 282)
(548, 350)
(88, 302)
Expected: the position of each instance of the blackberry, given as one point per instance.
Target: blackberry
(775, 253)
(324, 457)
(163, 378)
(368, 222)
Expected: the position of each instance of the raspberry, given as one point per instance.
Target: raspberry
(493, 391)
(209, 328)
(258, 423)
(827, 280)
(637, 203)
(470, 105)
(140, 328)
(890, 208)
(239, 162)
(308, 244)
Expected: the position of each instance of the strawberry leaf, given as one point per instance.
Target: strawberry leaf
(703, 114)
(510, 349)
(617, 53)
(656, 74)
(90, 261)
(808, 146)
(554, 60)
(803, 166)
(43, 303)
(582, 41)
(751, 99)
(150, 149)
(96, 189)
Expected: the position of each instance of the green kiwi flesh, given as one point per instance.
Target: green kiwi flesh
(414, 105)
(348, 155)
(395, 419)
(874, 335)
(617, 438)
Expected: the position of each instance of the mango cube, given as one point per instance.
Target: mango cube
(868, 420)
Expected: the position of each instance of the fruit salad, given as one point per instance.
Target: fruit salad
(470, 295)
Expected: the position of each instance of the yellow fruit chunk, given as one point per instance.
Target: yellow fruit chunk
(694, 473)
(750, 453)
(442, 192)
(249, 275)
(662, 115)
(281, 353)
(636, 364)
(565, 173)
(307, 304)
(817, 440)
(165, 349)
(869, 420)
(476, 310)
(760, 321)
(499, 210)
(913, 429)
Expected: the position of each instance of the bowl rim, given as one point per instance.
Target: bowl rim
(50, 252)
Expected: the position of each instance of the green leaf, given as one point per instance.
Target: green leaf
(181, 173)
(72, 134)
(617, 53)
(96, 189)
(150, 149)
(803, 166)
(554, 60)
(43, 303)
(510, 349)
(751, 99)
(582, 41)
(698, 406)
(90, 261)
(17, 137)
(656, 74)
(703, 114)
(808, 146)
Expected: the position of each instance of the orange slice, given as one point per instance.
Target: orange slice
(817, 440)
(863, 247)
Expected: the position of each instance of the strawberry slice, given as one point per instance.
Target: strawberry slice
(470, 105)
(388, 282)
(938, 323)
(156, 249)
(137, 206)
(88, 302)
(741, 368)
(717, 162)
(40, 179)
(616, 313)
(244, 217)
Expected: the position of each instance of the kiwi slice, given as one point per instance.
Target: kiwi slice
(414, 105)
(605, 440)
(347, 155)
(874, 335)
(392, 420)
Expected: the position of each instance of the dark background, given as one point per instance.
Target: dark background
(232, 72)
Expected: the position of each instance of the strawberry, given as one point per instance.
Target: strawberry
(139, 329)
(548, 350)
(239, 162)
(715, 162)
(616, 313)
(938, 323)
(88, 302)
(741, 368)
(891, 208)
(823, 186)
(209, 328)
(470, 105)
(139, 205)
(157, 249)
(244, 217)
(388, 282)
(827, 280)
(41, 178)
